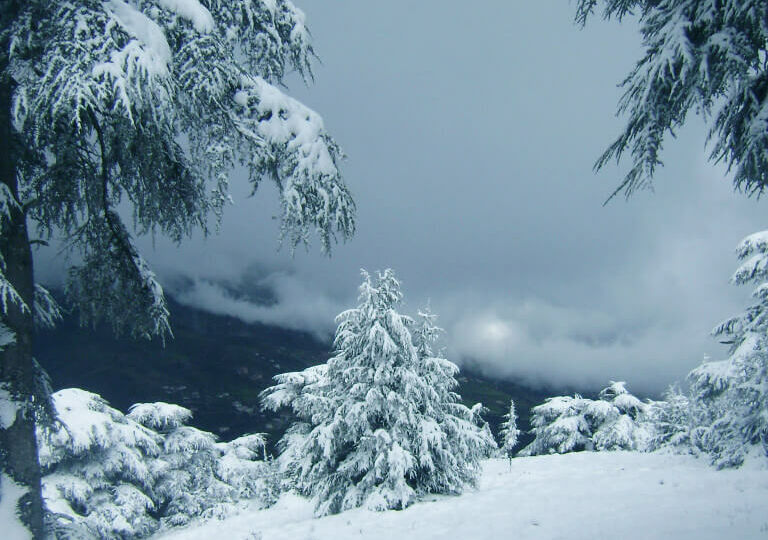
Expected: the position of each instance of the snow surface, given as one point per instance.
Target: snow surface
(584, 495)
(10, 493)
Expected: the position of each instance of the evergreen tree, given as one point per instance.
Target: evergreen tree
(145, 105)
(98, 481)
(196, 476)
(671, 422)
(109, 475)
(705, 56)
(730, 397)
(559, 426)
(509, 432)
(379, 424)
(563, 424)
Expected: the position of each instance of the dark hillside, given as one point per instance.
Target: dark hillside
(216, 366)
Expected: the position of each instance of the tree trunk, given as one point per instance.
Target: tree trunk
(18, 371)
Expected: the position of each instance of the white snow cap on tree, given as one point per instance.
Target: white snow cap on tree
(379, 424)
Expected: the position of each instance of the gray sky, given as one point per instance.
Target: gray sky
(471, 130)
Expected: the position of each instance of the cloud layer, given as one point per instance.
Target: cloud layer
(292, 305)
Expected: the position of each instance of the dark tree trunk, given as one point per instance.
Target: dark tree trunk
(18, 371)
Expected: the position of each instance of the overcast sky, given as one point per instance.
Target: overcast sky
(471, 129)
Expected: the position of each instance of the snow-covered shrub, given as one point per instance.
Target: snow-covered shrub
(111, 475)
(96, 466)
(196, 476)
(379, 423)
(619, 428)
(567, 424)
(559, 426)
(670, 422)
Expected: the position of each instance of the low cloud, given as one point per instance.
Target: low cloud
(292, 303)
(545, 345)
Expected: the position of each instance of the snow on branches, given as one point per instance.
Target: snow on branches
(379, 424)
(509, 433)
(701, 55)
(723, 415)
(567, 424)
(153, 103)
(110, 475)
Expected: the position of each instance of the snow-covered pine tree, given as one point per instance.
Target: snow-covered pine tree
(195, 476)
(730, 397)
(144, 105)
(98, 482)
(379, 424)
(509, 432)
(570, 424)
(109, 475)
(704, 56)
(559, 426)
(620, 427)
(439, 374)
(670, 422)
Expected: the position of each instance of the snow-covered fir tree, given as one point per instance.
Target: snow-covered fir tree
(197, 476)
(109, 475)
(98, 481)
(705, 56)
(559, 426)
(620, 427)
(730, 397)
(143, 106)
(379, 423)
(670, 422)
(568, 424)
(509, 433)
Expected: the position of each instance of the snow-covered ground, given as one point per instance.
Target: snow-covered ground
(622, 495)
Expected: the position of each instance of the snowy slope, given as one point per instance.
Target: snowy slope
(583, 495)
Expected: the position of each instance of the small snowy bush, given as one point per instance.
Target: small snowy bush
(567, 424)
(110, 475)
(195, 475)
(379, 423)
(670, 422)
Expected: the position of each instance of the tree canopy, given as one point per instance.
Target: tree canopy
(144, 108)
(704, 56)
